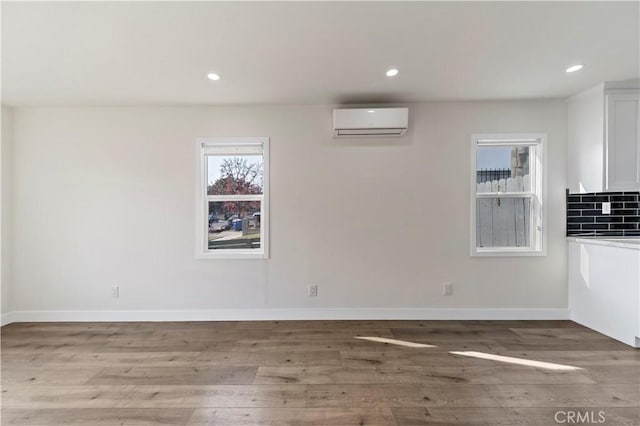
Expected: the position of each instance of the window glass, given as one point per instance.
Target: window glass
(503, 169)
(235, 174)
(234, 224)
(503, 222)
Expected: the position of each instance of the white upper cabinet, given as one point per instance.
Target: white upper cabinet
(604, 143)
(586, 144)
(622, 145)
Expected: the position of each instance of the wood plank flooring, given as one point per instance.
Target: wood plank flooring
(313, 373)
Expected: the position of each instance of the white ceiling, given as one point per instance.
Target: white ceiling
(113, 53)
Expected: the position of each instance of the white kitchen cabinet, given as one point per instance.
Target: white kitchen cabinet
(604, 142)
(622, 144)
(604, 287)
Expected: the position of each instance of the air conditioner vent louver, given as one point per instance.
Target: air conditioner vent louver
(370, 132)
(360, 122)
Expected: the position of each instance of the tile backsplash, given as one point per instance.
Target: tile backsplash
(585, 218)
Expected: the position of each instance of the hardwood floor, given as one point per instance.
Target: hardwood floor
(314, 373)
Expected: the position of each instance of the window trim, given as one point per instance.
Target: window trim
(202, 200)
(539, 247)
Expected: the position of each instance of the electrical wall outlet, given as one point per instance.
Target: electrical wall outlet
(115, 291)
(606, 208)
(313, 290)
(447, 288)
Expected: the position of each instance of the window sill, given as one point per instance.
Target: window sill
(508, 253)
(231, 255)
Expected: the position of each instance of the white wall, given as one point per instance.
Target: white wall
(6, 145)
(586, 141)
(105, 196)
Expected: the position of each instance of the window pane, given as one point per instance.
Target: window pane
(502, 169)
(234, 225)
(234, 174)
(503, 222)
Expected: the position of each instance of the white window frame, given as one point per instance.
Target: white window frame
(538, 192)
(229, 146)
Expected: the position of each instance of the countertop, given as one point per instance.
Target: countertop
(624, 242)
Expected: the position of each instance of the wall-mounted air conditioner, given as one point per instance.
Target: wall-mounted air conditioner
(355, 122)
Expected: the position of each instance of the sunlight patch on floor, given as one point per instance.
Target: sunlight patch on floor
(518, 361)
(395, 342)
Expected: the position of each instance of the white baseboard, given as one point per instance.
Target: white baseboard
(6, 318)
(289, 314)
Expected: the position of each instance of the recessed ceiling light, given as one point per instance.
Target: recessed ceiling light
(372, 110)
(213, 76)
(575, 68)
(392, 72)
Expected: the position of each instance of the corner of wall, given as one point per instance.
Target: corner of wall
(6, 184)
